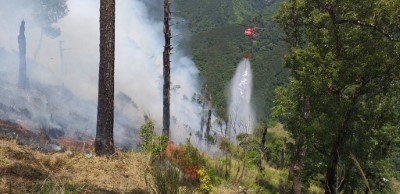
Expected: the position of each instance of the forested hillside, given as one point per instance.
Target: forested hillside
(217, 45)
(124, 105)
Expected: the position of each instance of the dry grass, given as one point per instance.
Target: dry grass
(25, 170)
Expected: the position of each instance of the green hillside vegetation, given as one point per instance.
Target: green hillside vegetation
(157, 167)
(217, 45)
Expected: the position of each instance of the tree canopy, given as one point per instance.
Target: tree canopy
(343, 94)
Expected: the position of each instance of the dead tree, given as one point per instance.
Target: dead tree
(22, 78)
(209, 116)
(105, 110)
(166, 68)
(262, 149)
(202, 100)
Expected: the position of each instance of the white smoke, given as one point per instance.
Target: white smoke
(138, 68)
(241, 113)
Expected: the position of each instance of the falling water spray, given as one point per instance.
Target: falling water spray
(241, 114)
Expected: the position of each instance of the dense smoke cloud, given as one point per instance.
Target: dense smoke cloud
(138, 66)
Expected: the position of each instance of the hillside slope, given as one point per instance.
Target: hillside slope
(217, 45)
(24, 170)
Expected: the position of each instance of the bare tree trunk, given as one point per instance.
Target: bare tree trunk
(297, 165)
(334, 186)
(262, 149)
(202, 117)
(166, 68)
(105, 110)
(39, 45)
(330, 176)
(202, 122)
(62, 65)
(208, 129)
(283, 154)
(22, 79)
(226, 165)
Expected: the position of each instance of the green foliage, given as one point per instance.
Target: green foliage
(48, 12)
(151, 142)
(210, 138)
(217, 46)
(193, 155)
(166, 178)
(273, 182)
(54, 186)
(342, 98)
(205, 182)
(225, 145)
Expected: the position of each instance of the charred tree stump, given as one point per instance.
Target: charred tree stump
(104, 144)
(166, 68)
(22, 79)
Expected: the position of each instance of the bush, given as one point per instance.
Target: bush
(151, 142)
(205, 182)
(187, 157)
(166, 178)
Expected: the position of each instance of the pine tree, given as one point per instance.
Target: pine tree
(105, 110)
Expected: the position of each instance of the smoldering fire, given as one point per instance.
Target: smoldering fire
(64, 74)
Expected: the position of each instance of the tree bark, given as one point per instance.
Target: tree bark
(104, 144)
(203, 101)
(22, 79)
(331, 175)
(297, 165)
(166, 68)
(208, 129)
(202, 122)
(283, 154)
(262, 149)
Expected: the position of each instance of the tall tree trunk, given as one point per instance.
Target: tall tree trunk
(208, 129)
(297, 165)
(105, 110)
(283, 154)
(22, 79)
(62, 65)
(331, 175)
(39, 45)
(202, 122)
(262, 149)
(166, 68)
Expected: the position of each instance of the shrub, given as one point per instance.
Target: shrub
(205, 182)
(186, 157)
(151, 142)
(166, 178)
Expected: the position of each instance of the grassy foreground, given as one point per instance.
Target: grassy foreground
(24, 170)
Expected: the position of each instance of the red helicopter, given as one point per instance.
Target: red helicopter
(250, 32)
